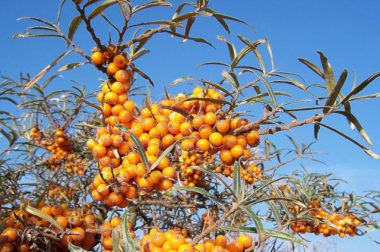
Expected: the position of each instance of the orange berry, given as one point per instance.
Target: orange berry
(187, 144)
(118, 87)
(90, 143)
(174, 127)
(99, 151)
(245, 240)
(148, 123)
(253, 138)
(169, 172)
(112, 68)
(237, 151)
(223, 126)
(105, 140)
(167, 140)
(63, 222)
(97, 58)
(221, 241)
(110, 98)
(107, 243)
(210, 118)
(10, 233)
(165, 184)
(77, 234)
(176, 241)
(122, 76)
(203, 145)
(125, 116)
(229, 141)
(185, 248)
(120, 61)
(216, 139)
(197, 121)
(226, 157)
(205, 131)
(129, 105)
(242, 141)
(145, 112)
(186, 128)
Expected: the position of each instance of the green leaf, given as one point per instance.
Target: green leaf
(212, 100)
(297, 148)
(184, 16)
(181, 79)
(74, 26)
(31, 35)
(328, 73)
(361, 87)
(190, 22)
(37, 20)
(138, 144)
(115, 240)
(216, 176)
(284, 236)
(150, 5)
(139, 54)
(102, 7)
(255, 218)
(11, 136)
(354, 121)
(223, 23)
(74, 248)
(231, 78)
(335, 91)
(244, 52)
(253, 47)
(202, 192)
(365, 149)
(231, 47)
(126, 239)
(165, 153)
(144, 75)
(237, 181)
(43, 216)
(71, 66)
(313, 67)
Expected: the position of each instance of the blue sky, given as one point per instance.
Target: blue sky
(348, 32)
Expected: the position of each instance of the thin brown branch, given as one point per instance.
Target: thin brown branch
(148, 34)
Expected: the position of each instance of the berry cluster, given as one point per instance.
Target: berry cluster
(173, 241)
(73, 222)
(330, 223)
(106, 232)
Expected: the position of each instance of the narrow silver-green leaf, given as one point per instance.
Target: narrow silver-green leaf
(181, 79)
(229, 77)
(360, 87)
(71, 66)
(138, 145)
(253, 47)
(255, 218)
(335, 91)
(202, 192)
(365, 149)
(150, 5)
(353, 120)
(115, 240)
(237, 181)
(313, 67)
(284, 236)
(328, 73)
(43, 216)
(230, 46)
(102, 7)
(74, 248)
(74, 26)
(126, 239)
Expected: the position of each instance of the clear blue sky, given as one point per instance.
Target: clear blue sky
(348, 32)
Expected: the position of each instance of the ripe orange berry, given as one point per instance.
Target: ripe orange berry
(197, 121)
(63, 222)
(226, 157)
(253, 138)
(90, 143)
(223, 126)
(129, 105)
(118, 87)
(235, 247)
(176, 241)
(237, 151)
(107, 243)
(10, 233)
(167, 140)
(120, 61)
(125, 116)
(210, 118)
(221, 241)
(169, 172)
(145, 112)
(122, 76)
(205, 131)
(174, 127)
(77, 234)
(186, 128)
(110, 98)
(216, 139)
(112, 68)
(185, 248)
(97, 58)
(165, 184)
(245, 240)
(133, 158)
(203, 145)
(187, 144)
(99, 151)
